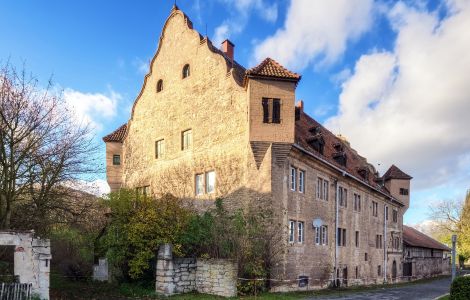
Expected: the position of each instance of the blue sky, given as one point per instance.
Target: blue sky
(392, 76)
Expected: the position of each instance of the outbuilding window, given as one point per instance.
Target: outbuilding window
(116, 159)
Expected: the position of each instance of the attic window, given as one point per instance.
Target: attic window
(341, 158)
(186, 71)
(364, 173)
(338, 147)
(317, 142)
(404, 192)
(271, 110)
(159, 86)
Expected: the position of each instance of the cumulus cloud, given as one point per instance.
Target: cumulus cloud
(92, 108)
(97, 187)
(411, 105)
(316, 30)
(242, 10)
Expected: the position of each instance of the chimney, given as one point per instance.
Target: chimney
(300, 105)
(227, 48)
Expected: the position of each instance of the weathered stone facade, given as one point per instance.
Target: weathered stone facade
(252, 149)
(183, 275)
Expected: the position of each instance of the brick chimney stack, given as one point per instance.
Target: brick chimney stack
(227, 48)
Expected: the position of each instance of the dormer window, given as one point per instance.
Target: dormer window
(271, 110)
(341, 158)
(159, 86)
(363, 172)
(186, 71)
(404, 192)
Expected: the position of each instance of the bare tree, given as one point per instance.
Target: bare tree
(42, 148)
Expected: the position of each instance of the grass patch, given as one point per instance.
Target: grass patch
(62, 288)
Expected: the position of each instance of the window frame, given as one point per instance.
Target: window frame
(357, 202)
(357, 239)
(291, 231)
(186, 143)
(186, 71)
(202, 184)
(116, 159)
(300, 232)
(293, 178)
(207, 179)
(301, 181)
(159, 148)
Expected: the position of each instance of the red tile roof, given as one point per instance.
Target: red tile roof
(116, 136)
(415, 238)
(272, 69)
(356, 165)
(395, 173)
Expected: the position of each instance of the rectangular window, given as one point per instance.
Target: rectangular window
(276, 111)
(301, 181)
(325, 190)
(317, 235)
(379, 270)
(300, 237)
(265, 104)
(365, 257)
(357, 239)
(210, 182)
(319, 188)
(341, 237)
(116, 159)
(357, 202)
(343, 196)
(199, 180)
(291, 231)
(403, 192)
(293, 178)
(271, 110)
(186, 139)
(159, 148)
(324, 235)
(395, 216)
(378, 241)
(386, 213)
(375, 209)
(357, 272)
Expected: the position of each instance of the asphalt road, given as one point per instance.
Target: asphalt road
(421, 291)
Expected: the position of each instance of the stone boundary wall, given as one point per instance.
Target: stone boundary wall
(183, 275)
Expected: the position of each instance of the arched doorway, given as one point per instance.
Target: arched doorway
(394, 270)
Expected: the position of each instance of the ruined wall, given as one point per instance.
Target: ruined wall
(31, 259)
(184, 275)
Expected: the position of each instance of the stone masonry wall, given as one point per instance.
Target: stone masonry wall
(184, 275)
(216, 277)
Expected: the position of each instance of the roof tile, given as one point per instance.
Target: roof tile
(116, 136)
(271, 68)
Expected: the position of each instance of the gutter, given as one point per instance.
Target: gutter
(346, 174)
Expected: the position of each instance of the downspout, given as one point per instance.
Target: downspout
(336, 233)
(385, 243)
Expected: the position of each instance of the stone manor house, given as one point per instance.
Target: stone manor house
(204, 127)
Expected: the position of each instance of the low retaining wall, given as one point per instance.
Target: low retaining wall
(183, 275)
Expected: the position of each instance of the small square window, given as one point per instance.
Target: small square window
(186, 139)
(116, 159)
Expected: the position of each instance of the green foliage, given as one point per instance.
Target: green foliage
(139, 226)
(460, 288)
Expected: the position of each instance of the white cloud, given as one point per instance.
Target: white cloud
(98, 187)
(242, 10)
(316, 30)
(411, 106)
(92, 108)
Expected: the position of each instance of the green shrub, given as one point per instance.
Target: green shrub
(460, 288)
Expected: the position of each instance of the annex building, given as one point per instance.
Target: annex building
(204, 127)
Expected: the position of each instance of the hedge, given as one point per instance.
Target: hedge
(460, 288)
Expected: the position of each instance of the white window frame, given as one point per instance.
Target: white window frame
(160, 148)
(317, 235)
(293, 178)
(325, 189)
(210, 189)
(301, 181)
(300, 232)
(199, 188)
(186, 139)
(324, 235)
(291, 231)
